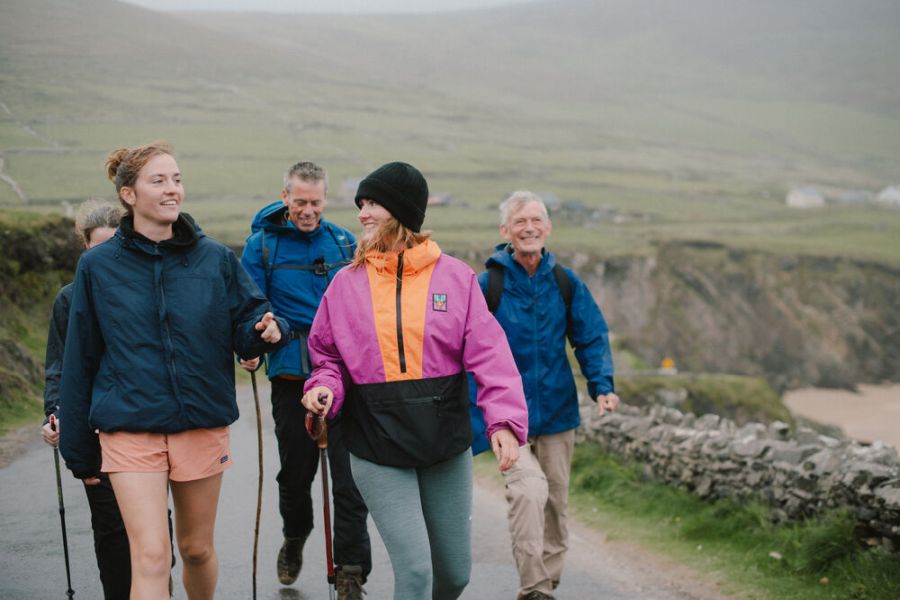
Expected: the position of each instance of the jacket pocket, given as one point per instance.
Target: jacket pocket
(392, 424)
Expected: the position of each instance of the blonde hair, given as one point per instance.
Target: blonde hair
(94, 213)
(391, 234)
(124, 164)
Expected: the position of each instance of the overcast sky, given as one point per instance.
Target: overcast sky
(327, 6)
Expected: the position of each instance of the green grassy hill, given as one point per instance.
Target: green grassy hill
(680, 120)
(39, 255)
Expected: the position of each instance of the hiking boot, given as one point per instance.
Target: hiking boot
(349, 583)
(290, 560)
(536, 595)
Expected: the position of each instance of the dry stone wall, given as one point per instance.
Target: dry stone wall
(799, 474)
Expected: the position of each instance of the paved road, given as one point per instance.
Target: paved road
(32, 566)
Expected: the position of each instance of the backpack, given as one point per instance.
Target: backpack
(494, 289)
(319, 266)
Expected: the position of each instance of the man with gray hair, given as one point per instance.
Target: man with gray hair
(292, 254)
(539, 303)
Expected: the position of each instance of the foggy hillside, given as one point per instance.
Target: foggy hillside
(688, 119)
(828, 50)
(622, 67)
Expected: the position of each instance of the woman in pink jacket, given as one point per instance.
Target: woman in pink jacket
(391, 343)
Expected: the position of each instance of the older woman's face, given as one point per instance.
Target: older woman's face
(527, 229)
(371, 215)
(100, 235)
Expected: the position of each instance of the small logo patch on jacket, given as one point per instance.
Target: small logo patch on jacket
(223, 460)
(439, 302)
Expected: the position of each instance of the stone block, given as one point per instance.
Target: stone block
(779, 430)
(790, 453)
(708, 422)
(750, 446)
(888, 495)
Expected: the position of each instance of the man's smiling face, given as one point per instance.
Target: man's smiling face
(305, 201)
(527, 229)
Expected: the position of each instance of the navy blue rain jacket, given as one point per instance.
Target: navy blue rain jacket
(532, 312)
(151, 336)
(299, 268)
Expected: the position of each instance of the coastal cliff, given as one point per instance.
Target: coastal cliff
(797, 321)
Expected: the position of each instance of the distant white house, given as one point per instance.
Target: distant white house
(889, 195)
(805, 197)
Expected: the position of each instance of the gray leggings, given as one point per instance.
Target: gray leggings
(423, 516)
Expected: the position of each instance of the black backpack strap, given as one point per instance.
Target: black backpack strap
(565, 290)
(318, 266)
(494, 291)
(494, 288)
(564, 284)
(267, 261)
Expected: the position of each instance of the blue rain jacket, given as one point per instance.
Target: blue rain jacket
(150, 340)
(532, 312)
(294, 277)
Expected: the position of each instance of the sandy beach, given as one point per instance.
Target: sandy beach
(872, 414)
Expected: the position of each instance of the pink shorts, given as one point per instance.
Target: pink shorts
(187, 456)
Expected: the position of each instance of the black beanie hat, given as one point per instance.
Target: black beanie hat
(401, 189)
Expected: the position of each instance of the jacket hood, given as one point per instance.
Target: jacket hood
(271, 217)
(503, 256)
(185, 233)
(415, 259)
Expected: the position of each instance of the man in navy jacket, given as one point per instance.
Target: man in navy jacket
(292, 254)
(540, 304)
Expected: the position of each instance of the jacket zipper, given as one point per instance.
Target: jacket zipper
(399, 319)
(535, 340)
(168, 344)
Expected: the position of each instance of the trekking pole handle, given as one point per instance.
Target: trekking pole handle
(317, 429)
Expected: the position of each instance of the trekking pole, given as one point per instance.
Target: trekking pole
(70, 593)
(260, 484)
(318, 430)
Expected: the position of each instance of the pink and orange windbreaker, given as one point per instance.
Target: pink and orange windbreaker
(394, 341)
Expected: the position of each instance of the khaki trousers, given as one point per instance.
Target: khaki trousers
(537, 495)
